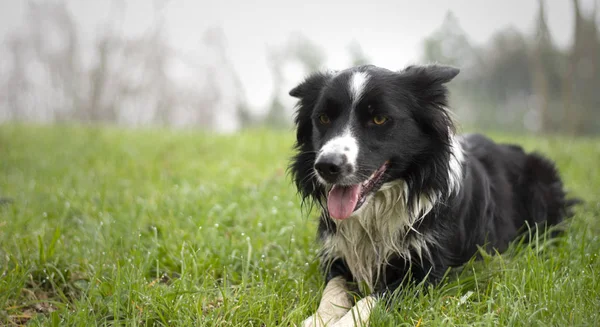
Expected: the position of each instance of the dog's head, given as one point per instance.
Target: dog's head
(363, 127)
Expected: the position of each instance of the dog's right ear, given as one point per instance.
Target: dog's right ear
(312, 85)
(308, 93)
(298, 91)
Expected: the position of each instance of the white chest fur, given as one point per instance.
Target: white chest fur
(377, 231)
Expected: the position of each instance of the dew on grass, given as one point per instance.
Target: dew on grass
(217, 225)
(274, 210)
(45, 214)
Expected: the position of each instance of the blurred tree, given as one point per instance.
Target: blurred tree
(507, 66)
(582, 99)
(62, 58)
(276, 116)
(298, 49)
(514, 81)
(358, 57)
(121, 80)
(94, 111)
(16, 84)
(495, 84)
(245, 116)
(306, 52)
(96, 81)
(44, 75)
(450, 45)
(547, 67)
(229, 99)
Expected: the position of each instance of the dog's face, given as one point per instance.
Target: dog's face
(366, 126)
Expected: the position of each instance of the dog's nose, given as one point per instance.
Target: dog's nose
(332, 166)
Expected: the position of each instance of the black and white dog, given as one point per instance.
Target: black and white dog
(401, 194)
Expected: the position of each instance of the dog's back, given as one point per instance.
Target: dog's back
(524, 186)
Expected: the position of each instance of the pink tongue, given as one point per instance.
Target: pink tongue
(342, 201)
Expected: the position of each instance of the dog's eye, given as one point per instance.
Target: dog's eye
(324, 119)
(379, 119)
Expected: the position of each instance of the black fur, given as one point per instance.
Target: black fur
(501, 190)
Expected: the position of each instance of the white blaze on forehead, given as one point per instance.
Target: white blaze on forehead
(358, 81)
(344, 144)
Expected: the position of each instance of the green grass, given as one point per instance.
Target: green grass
(157, 227)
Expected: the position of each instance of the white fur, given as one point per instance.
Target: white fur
(335, 303)
(336, 310)
(457, 158)
(345, 144)
(358, 80)
(359, 315)
(378, 230)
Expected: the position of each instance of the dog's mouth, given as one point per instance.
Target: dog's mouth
(343, 200)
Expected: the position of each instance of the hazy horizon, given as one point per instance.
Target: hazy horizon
(390, 32)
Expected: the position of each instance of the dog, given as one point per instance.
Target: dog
(401, 194)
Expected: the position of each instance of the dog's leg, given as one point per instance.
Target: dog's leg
(334, 304)
(359, 315)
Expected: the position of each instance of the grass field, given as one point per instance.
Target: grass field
(102, 226)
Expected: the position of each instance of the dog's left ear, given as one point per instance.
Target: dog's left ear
(426, 82)
(431, 74)
(426, 85)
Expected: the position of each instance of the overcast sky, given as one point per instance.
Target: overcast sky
(390, 31)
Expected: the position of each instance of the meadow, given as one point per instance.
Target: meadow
(155, 227)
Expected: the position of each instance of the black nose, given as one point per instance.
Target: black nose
(332, 166)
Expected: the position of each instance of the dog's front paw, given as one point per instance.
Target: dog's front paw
(358, 316)
(317, 320)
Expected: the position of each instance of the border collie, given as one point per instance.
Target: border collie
(402, 195)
